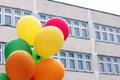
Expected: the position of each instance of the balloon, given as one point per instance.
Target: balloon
(60, 23)
(38, 58)
(48, 69)
(16, 44)
(3, 76)
(48, 41)
(27, 28)
(20, 65)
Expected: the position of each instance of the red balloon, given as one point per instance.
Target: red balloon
(59, 23)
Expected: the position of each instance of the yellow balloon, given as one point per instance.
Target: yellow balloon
(27, 28)
(48, 41)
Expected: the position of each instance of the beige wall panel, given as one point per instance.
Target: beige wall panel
(69, 75)
(58, 9)
(109, 77)
(22, 4)
(77, 44)
(7, 33)
(107, 49)
(106, 19)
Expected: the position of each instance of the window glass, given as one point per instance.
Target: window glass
(80, 65)
(79, 56)
(97, 35)
(87, 57)
(17, 12)
(62, 54)
(104, 35)
(72, 64)
(8, 11)
(71, 55)
(27, 13)
(109, 67)
(116, 68)
(102, 67)
(84, 32)
(88, 65)
(64, 62)
(7, 20)
(111, 36)
(77, 32)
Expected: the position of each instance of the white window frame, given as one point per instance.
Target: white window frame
(88, 61)
(23, 12)
(86, 28)
(1, 16)
(112, 34)
(77, 59)
(97, 30)
(104, 31)
(116, 35)
(46, 18)
(71, 59)
(7, 14)
(70, 26)
(117, 63)
(65, 57)
(78, 27)
(19, 16)
(110, 64)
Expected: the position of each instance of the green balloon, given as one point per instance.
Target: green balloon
(3, 76)
(16, 44)
(38, 58)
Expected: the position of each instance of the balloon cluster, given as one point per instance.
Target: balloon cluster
(36, 63)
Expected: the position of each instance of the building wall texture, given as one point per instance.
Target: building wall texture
(75, 44)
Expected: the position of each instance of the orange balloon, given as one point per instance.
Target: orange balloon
(20, 65)
(48, 69)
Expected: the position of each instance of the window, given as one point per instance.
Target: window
(80, 64)
(104, 33)
(0, 52)
(8, 16)
(111, 34)
(70, 25)
(107, 33)
(0, 15)
(43, 19)
(84, 29)
(117, 35)
(109, 65)
(77, 28)
(88, 62)
(63, 58)
(97, 32)
(71, 57)
(17, 16)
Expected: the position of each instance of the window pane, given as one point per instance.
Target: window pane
(116, 68)
(101, 58)
(72, 64)
(79, 56)
(7, 20)
(27, 13)
(76, 23)
(64, 62)
(104, 35)
(8, 11)
(115, 60)
(18, 13)
(71, 55)
(97, 27)
(62, 54)
(87, 57)
(0, 57)
(16, 20)
(97, 35)
(102, 67)
(80, 64)
(84, 32)
(42, 17)
(70, 30)
(109, 67)
(42, 22)
(84, 24)
(118, 38)
(0, 18)
(88, 65)
(77, 32)
(108, 59)
(111, 36)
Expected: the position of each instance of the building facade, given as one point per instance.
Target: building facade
(92, 50)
